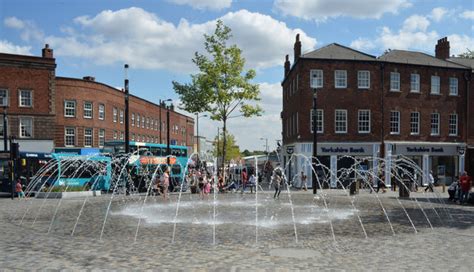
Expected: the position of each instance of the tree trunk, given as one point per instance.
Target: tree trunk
(224, 145)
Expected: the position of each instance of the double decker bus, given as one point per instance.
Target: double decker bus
(146, 157)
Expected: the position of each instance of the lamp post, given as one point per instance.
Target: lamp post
(127, 121)
(5, 133)
(315, 132)
(197, 131)
(161, 124)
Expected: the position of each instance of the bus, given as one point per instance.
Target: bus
(147, 156)
(93, 172)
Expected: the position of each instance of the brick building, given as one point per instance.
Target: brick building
(402, 103)
(27, 89)
(48, 113)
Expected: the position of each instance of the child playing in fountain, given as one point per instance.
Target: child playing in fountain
(19, 190)
(207, 189)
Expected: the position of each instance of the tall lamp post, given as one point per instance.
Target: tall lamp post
(127, 121)
(161, 123)
(5, 132)
(197, 132)
(315, 147)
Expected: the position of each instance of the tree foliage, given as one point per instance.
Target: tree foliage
(221, 87)
(233, 150)
(469, 54)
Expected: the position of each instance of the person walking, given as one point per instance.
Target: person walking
(381, 184)
(19, 190)
(465, 184)
(252, 182)
(166, 183)
(277, 183)
(244, 180)
(303, 178)
(430, 182)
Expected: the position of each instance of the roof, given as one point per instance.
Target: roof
(417, 58)
(337, 51)
(463, 61)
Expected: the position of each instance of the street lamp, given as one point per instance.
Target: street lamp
(266, 144)
(161, 126)
(197, 131)
(127, 121)
(5, 133)
(315, 132)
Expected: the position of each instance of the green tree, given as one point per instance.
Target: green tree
(467, 55)
(221, 87)
(233, 150)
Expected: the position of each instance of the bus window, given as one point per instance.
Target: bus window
(176, 169)
(184, 153)
(144, 151)
(156, 151)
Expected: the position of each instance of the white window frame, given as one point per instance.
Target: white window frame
(91, 136)
(115, 135)
(66, 135)
(143, 121)
(101, 137)
(133, 119)
(453, 124)
(122, 135)
(415, 83)
(316, 78)
(360, 79)
(395, 122)
(414, 123)
(364, 123)
(21, 98)
(22, 124)
(435, 85)
(435, 124)
(91, 110)
(4, 101)
(319, 121)
(453, 86)
(394, 81)
(340, 75)
(101, 111)
(121, 115)
(336, 121)
(115, 114)
(69, 107)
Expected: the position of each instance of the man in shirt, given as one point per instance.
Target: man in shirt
(465, 183)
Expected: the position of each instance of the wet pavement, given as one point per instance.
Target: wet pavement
(332, 231)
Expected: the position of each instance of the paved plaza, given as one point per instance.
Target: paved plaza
(295, 232)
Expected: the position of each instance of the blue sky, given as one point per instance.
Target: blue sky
(158, 39)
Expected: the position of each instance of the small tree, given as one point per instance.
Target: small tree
(221, 87)
(233, 150)
(467, 55)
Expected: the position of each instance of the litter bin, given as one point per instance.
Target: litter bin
(404, 190)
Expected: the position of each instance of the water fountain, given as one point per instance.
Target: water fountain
(230, 215)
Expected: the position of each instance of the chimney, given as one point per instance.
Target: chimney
(287, 65)
(89, 78)
(297, 48)
(47, 52)
(442, 48)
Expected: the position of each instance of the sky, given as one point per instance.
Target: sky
(158, 40)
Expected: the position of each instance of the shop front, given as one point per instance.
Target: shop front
(444, 160)
(333, 160)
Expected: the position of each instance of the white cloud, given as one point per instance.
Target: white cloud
(204, 4)
(414, 23)
(460, 43)
(143, 40)
(438, 13)
(321, 10)
(468, 14)
(28, 30)
(248, 131)
(7, 47)
(363, 44)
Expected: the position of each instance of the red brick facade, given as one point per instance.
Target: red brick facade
(50, 93)
(34, 76)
